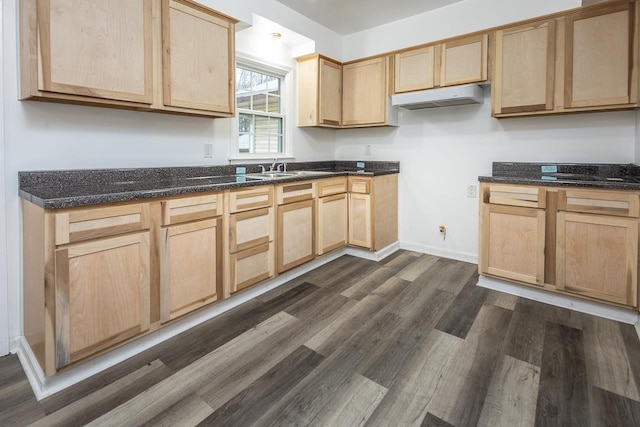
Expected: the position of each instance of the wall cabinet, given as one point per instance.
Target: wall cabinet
(319, 92)
(134, 54)
(251, 255)
(373, 221)
(599, 57)
(524, 73)
(296, 224)
(585, 60)
(582, 242)
(453, 62)
(365, 97)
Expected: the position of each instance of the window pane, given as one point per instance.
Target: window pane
(259, 92)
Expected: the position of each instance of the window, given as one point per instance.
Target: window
(261, 111)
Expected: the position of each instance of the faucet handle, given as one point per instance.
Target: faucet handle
(264, 170)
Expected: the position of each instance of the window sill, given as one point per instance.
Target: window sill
(238, 160)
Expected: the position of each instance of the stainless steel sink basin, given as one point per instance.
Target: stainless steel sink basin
(303, 173)
(269, 175)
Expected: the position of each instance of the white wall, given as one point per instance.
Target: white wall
(442, 151)
(55, 136)
(4, 315)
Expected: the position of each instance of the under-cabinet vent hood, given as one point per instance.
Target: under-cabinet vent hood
(442, 97)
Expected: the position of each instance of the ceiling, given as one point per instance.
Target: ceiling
(350, 16)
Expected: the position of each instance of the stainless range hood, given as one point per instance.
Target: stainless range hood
(441, 97)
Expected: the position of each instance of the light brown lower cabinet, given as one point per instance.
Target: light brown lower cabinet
(190, 267)
(513, 243)
(360, 231)
(577, 241)
(101, 294)
(597, 256)
(251, 266)
(295, 234)
(331, 223)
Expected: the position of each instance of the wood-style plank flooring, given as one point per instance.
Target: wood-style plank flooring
(408, 341)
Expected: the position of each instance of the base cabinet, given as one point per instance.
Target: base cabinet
(251, 266)
(513, 243)
(597, 256)
(295, 234)
(190, 267)
(360, 231)
(101, 294)
(331, 223)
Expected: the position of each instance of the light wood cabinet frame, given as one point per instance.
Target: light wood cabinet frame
(65, 305)
(288, 243)
(210, 269)
(521, 59)
(92, 223)
(596, 77)
(610, 285)
(463, 63)
(47, 83)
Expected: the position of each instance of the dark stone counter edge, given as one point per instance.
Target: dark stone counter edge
(124, 196)
(610, 185)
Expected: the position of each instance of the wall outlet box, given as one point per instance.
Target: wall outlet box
(241, 170)
(208, 151)
(471, 191)
(360, 165)
(549, 169)
(367, 150)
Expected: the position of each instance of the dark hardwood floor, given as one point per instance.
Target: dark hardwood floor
(408, 341)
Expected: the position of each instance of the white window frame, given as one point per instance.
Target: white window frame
(286, 74)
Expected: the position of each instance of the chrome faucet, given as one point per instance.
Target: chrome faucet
(264, 170)
(273, 165)
(284, 164)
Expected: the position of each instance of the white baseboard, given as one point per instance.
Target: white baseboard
(584, 306)
(46, 386)
(444, 253)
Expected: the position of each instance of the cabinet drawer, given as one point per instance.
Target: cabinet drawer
(251, 228)
(253, 198)
(294, 192)
(529, 197)
(85, 224)
(252, 266)
(360, 185)
(331, 186)
(600, 202)
(191, 209)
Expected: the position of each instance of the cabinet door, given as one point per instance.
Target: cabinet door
(101, 294)
(513, 240)
(295, 234)
(331, 226)
(190, 267)
(415, 69)
(360, 226)
(598, 57)
(251, 266)
(365, 92)
(330, 93)
(524, 70)
(100, 49)
(249, 229)
(464, 61)
(198, 58)
(597, 256)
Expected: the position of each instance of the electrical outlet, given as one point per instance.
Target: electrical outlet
(471, 191)
(208, 151)
(367, 150)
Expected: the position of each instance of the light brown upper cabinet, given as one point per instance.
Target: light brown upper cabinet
(415, 69)
(198, 64)
(464, 60)
(365, 97)
(154, 55)
(523, 79)
(319, 92)
(599, 58)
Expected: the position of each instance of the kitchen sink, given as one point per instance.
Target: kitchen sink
(269, 175)
(304, 173)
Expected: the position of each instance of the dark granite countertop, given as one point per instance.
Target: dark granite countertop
(70, 188)
(595, 175)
